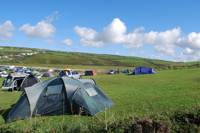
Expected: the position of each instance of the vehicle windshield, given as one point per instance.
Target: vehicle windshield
(74, 72)
(68, 72)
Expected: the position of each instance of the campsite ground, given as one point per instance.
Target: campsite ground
(144, 95)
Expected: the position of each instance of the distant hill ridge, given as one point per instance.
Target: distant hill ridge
(43, 57)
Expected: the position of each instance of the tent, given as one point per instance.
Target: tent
(19, 81)
(58, 96)
(47, 74)
(143, 70)
(28, 81)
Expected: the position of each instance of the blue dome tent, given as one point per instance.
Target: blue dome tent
(143, 70)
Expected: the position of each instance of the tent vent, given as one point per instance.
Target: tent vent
(91, 91)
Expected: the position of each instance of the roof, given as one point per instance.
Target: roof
(19, 74)
(89, 70)
(67, 70)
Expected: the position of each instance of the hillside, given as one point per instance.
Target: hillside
(39, 57)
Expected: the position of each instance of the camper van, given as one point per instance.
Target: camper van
(18, 81)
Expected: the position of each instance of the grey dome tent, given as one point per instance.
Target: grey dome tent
(58, 96)
(29, 80)
(47, 74)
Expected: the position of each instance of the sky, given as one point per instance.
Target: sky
(158, 29)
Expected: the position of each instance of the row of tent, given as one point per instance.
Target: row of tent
(22, 69)
(18, 81)
(136, 71)
(4, 73)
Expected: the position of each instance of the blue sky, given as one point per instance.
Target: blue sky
(159, 29)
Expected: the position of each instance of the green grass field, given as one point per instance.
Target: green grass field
(141, 96)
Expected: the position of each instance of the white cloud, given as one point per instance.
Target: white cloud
(188, 55)
(88, 36)
(6, 30)
(165, 42)
(52, 17)
(42, 29)
(113, 33)
(188, 51)
(67, 42)
(134, 39)
(116, 33)
(190, 45)
(192, 40)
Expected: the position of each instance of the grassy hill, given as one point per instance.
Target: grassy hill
(40, 57)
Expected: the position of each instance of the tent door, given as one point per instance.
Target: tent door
(53, 100)
(55, 104)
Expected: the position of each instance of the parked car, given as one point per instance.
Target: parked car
(70, 73)
(3, 74)
(90, 73)
(112, 72)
